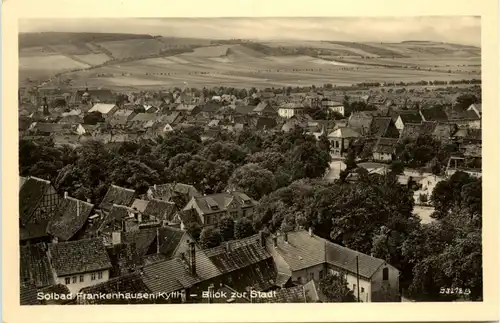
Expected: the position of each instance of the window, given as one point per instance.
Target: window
(82, 278)
(385, 274)
(234, 214)
(74, 280)
(244, 212)
(99, 275)
(321, 273)
(92, 277)
(67, 280)
(362, 289)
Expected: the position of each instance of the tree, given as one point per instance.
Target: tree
(396, 167)
(464, 101)
(224, 151)
(350, 160)
(226, 228)
(210, 237)
(243, 228)
(252, 179)
(335, 289)
(308, 161)
(193, 229)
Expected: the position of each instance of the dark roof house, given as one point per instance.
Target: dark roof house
(71, 216)
(80, 256)
(117, 195)
(35, 265)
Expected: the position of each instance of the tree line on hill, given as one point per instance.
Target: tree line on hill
(284, 171)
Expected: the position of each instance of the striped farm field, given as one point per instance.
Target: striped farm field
(133, 47)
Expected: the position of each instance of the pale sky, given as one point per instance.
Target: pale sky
(463, 30)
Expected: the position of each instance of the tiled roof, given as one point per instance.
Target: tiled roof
(79, 256)
(412, 130)
(237, 254)
(102, 108)
(28, 294)
(35, 265)
(167, 276)
(291, 105)
(260, 107)
(142, 238)
(154, 258)
(344, 132)
(359, 122)
(282, 279)
(170, 239)
(143, 117)
(188, 216)
(52, 127)
(410, 117)
(434, 114)
(301, 251)
(30, 196)
(260, 276)
(385, 145)
(345, 259)
(117, 195)
(379, 126)
(304, 251)
(139, 205)
(214, 203)
(186, 107)
(264, 123)
(129, 283)
(71, 215)
(55, 289)
(294, 294)
(34, 230)
(244, 109)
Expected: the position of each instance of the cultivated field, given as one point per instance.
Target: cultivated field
(239, 65)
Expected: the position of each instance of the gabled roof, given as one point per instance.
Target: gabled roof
(71, 215)
(444, 131)
(124, 258)
(214, 203)
(28, 294)
(477, 106)
(379, 126)
(35, 265)
(161, 210)
(79, 256)
(139, 205)
(434, 114)
(30, 196)
(410, 117)
(117, 195)
(186, 107)
(172, 118)
(237, 254)
(142, 238)
(304, 251)
(359, 122)
(344, 132)
(34, 230)
(291, 105)
(261, 107)
(103, 108)
(130, 283)
(385, 145)
(244, 109)
(170, 240)
(61, 128)
(176, 192)
(143, 117)
(345, 259)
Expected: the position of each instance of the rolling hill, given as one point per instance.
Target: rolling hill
(135, 61)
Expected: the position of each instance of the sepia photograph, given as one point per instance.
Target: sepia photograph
(246, 160)
(250, 160)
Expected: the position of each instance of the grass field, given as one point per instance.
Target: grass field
(242, 66)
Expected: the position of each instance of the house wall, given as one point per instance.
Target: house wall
(399, 124)
(352, 283)
(382, 157)
(87, 280)
(305, 275)
(288, 113)
(385, 290)
(339, 109)
(48, 205)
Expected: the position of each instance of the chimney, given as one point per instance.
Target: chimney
(192, 258)
(157, 240)
(228, 247)
(65, 195)
(45, 106)
(286, 237)
(116, 237)
(154, 187)
(262, 239)
(310, 231)
(275, 241)
(89, 201)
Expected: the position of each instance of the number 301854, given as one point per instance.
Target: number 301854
(456, 290)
